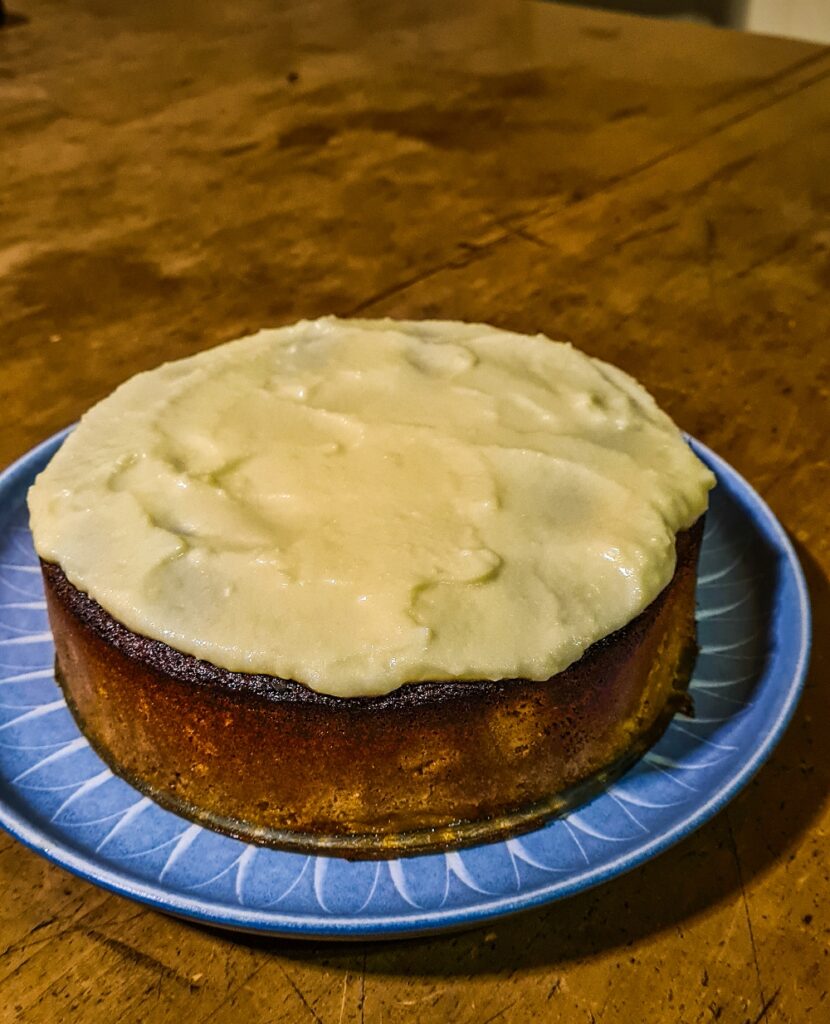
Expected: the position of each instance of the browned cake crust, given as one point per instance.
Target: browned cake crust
(428, 766)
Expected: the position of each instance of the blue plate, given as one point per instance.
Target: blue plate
(60, 799)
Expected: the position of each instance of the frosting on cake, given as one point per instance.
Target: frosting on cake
(358, 504)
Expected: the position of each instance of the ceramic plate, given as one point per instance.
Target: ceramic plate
(59, 798)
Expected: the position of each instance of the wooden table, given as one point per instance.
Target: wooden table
(176, 174)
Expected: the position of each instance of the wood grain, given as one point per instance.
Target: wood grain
(176, 174)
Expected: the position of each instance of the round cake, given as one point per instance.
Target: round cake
(373, 587)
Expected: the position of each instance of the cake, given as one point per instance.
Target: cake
(373, 587)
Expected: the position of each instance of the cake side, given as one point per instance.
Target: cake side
(430, 765)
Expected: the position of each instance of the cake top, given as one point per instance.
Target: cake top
(358, 504)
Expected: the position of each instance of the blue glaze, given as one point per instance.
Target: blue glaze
(58, 798)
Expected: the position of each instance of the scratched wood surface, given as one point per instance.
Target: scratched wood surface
(174, 174)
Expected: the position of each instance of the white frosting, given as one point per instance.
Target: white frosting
(357, 504)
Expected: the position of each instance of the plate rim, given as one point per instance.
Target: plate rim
(306, 926)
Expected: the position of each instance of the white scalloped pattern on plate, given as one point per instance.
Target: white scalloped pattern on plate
(59, 798)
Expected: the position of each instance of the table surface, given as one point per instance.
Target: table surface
(177, 174)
